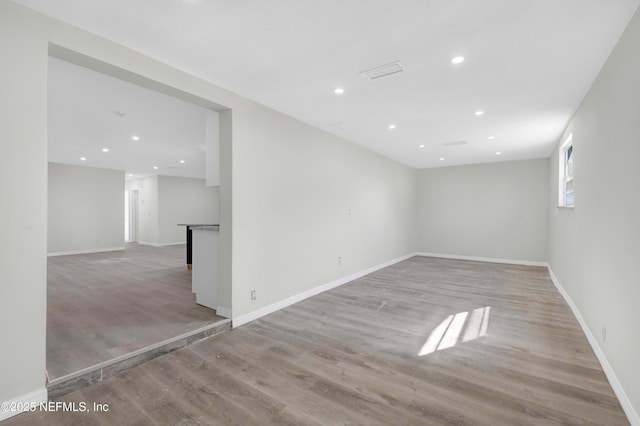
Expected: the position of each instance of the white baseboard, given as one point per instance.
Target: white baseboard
(627, 406)
(484, 259)
(32, 398)
(85, 251)
(146, 243)
(243, 319)
(223, 312)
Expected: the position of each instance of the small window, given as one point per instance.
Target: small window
(565, 190)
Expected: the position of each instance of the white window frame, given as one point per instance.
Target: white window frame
(564, 178)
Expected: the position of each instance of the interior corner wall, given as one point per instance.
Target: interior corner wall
(595, 247)
(184, 200)
(495, 210)
(86, 209)
(23, 216)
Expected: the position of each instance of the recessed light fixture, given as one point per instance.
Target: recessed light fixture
(498, 153)
(155, 167)
(83, 159)
(421, 146)
(105, 149)
(181, 161)
(441, 158)
(479, 113)
(338, 90)
(457, 60)
(135, 138)
(130, 175)
(491, 137)
(392, 126)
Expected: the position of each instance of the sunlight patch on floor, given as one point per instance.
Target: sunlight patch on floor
(459, 328)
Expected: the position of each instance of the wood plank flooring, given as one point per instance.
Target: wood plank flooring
(104, 305)
(510, 352)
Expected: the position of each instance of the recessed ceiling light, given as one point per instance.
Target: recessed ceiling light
(105, 149)
(479, 113)
(491, 137)
(421, 146)
(457, 60)
(392, 126)
(130, 175)
(498, 153)
(155, 167)
(441, 158)
(338, 90)
(135, 138)
(83, 159)
(181, 161)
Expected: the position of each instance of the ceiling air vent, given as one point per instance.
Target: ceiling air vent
(456, 143)
(383, 71)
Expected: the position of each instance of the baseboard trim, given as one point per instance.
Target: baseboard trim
(266, 310)
(146, 243)
(84, 251)
(30, 399)
(223, 312)
(484, 259)
(627, 406)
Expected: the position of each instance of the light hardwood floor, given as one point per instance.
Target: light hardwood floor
(104, 305)
(351, 356)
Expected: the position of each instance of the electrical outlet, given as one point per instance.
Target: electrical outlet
(339, 260)
(604, 332)
(253, 295)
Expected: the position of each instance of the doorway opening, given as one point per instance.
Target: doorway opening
(118, 283)
(131, 216)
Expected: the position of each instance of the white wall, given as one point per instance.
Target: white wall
(166, 201)
(212, 122)
(496, 210)
(225, 273)
(595, 247)
(23, 215)
(184, 200)
(293, 188)
(86, 209)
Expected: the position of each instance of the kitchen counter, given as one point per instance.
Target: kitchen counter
(190, 227)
